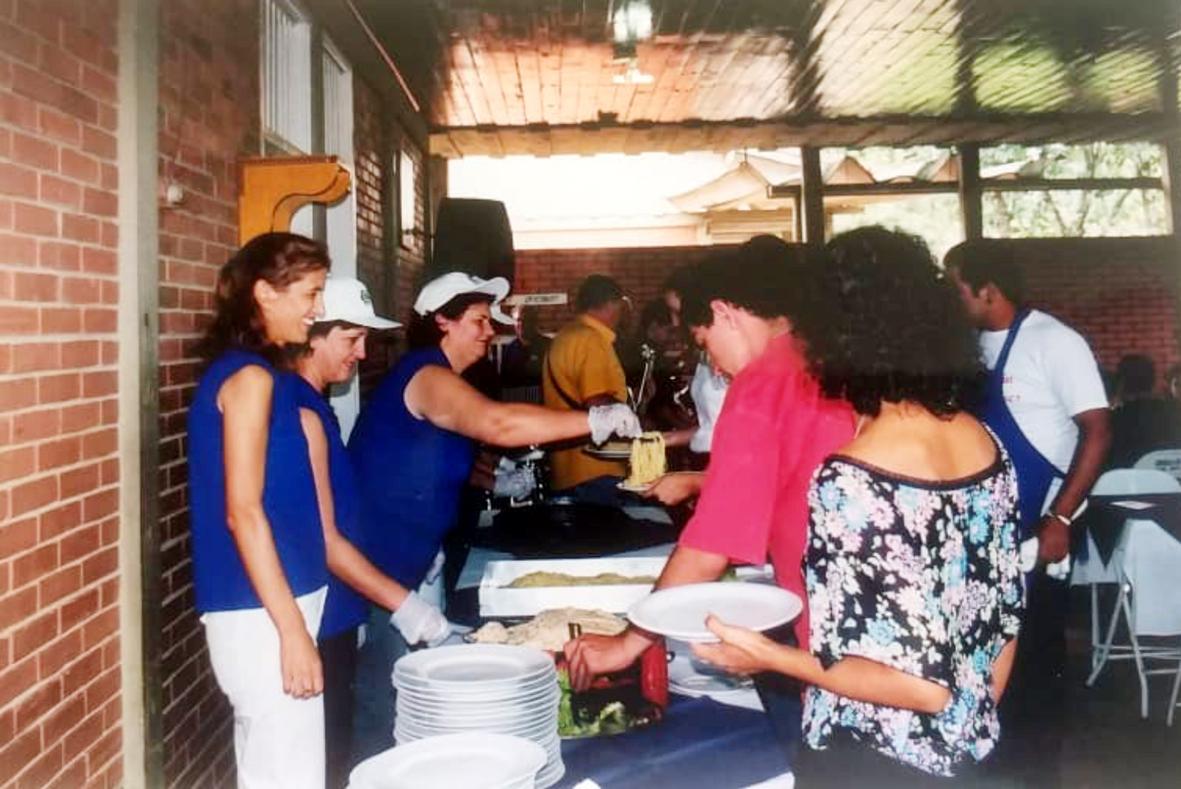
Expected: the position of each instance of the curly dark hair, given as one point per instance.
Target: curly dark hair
(278, 258)
(764, 276)
(888, 327)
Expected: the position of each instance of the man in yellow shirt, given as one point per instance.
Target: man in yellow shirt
(582, 370)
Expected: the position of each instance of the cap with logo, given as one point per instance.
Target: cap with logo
(443, 289)
(347, 299)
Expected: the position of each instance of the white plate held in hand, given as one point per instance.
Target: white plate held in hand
(680, 612)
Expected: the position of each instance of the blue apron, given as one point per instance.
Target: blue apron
(1035, 473)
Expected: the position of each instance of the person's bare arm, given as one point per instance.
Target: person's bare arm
(679, 438)
(744, 651)
(245, 403)
(591, 655)
(1002, 669)
(676, 487)
(1085, 467)
(444, 399)
(344, 560)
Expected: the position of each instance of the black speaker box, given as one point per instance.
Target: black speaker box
(472, 236)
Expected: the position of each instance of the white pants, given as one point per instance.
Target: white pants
(278, 740)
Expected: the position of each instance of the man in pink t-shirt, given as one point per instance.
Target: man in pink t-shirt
(774, 430)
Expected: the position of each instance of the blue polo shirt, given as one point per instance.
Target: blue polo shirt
(288, 496)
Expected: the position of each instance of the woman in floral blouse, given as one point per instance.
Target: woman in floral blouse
(912, 570)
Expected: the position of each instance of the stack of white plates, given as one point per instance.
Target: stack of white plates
(481, 688)
(471, 760)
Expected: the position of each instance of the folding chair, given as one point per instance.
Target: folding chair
(1147, 560)
(1166, 460)
(1091, 571)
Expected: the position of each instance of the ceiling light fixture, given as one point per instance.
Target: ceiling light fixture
(631, 22)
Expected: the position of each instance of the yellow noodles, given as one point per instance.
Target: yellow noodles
(543, 578)
(647, 460)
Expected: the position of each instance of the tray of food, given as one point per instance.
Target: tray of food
(519, 588)
(615, 703)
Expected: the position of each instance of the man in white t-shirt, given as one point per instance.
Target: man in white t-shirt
(1051, 388)
(1046, 402)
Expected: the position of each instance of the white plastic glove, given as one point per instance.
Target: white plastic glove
(419, 621)
(617, 419)
(432, 574)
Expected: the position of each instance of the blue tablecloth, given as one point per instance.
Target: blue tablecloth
(700, 744)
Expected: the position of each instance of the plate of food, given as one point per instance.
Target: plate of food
(610, 450)
(679, 612)
(616, 702)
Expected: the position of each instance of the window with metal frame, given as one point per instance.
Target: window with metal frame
(286, 77)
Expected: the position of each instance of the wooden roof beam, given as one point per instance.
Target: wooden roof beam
(613, 137)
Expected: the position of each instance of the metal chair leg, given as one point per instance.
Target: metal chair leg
(1094, 625)
(1104, 650)
(1176, 690)
(1139, 658)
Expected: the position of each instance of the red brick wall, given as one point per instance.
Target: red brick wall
(1120, 293)
(60, 705)
(389, 268)
(208, 119)
(640, 270)
(372, 152)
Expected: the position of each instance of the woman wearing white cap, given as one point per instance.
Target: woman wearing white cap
(413, 448)
(336, 343)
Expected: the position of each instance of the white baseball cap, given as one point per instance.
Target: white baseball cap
(441, 290)
(347, 299)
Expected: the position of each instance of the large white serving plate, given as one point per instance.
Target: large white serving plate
(476, 688)
(478, 693)
(475, 720)
(543, 697)
(470, 760)
(474, 666)
(534, 709)
(554, 768)
(680, 612)
(530, 731)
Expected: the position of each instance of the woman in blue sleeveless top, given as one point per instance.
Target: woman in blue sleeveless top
(336, 343)
(413, 448)
(259, 567)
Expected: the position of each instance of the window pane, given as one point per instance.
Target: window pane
(1094, 160)
(286, 75)
(916, 163)
(1075, 213)
(934, 218)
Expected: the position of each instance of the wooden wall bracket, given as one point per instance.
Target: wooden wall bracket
(271, 190)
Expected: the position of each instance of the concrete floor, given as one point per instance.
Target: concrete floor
(1106, 743)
